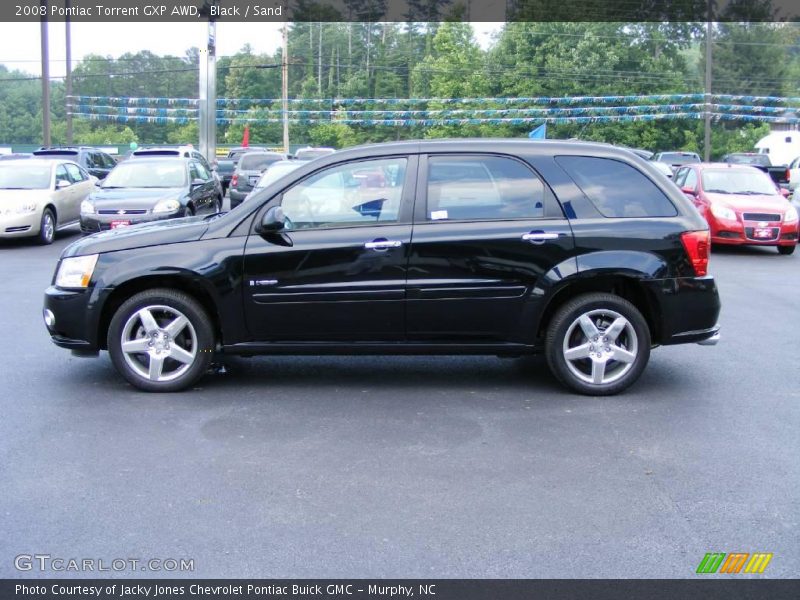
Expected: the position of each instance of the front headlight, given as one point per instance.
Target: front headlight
(166, 206)
(76, 271)
(723, 212)
(87, 208)
(790, 215)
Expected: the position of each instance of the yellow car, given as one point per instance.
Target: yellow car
(40, 196)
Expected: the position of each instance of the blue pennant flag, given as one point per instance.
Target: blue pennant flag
(539, 133)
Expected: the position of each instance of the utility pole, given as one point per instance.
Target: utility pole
(207, 109)
(46, 140)
(68, 79)
(285, 86)
(707, 138)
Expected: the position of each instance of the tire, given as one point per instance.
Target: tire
(218, 204)
(189, 211)
(177, 334)
(599, 365)
(786, 250)
(47, 228)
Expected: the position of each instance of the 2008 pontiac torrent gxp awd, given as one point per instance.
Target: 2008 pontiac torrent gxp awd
(499, 247)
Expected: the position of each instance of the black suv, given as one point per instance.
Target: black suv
(582, 251)
(95, 161)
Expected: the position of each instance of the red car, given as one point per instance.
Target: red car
(741, 204)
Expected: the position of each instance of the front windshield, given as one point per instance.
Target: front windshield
(275, 172)
(679, 159)
(749, 159)
(19, 176)
(730, 181)
(311, 154)
(167, 174)
(257, 162)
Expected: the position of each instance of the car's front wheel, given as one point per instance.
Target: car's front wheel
(47, 227)
(598, 344)
(786, 250)
(161, 340)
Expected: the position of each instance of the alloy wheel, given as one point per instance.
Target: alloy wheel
(600, 347)
(159, 343)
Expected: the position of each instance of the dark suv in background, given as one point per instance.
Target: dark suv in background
(96, 162)
(584, 252)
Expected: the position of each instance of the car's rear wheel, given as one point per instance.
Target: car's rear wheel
(786, 250)
(47, 227)
(598, 344)
(161, 340)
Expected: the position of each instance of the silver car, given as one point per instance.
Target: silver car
(40, 196)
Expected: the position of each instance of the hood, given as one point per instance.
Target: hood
(744, 203)
(168, 231)
(132, 198)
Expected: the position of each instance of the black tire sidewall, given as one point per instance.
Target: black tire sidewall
(561, 322)
(196, 315)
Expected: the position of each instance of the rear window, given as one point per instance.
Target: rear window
(617, 189)
(679, 158)
(749, 159)
(257, 162)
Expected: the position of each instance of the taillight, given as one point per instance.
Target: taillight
(234, 180)
(788, 175)
(697, 244)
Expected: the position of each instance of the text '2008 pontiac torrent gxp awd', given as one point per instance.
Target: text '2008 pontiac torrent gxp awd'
(499, 247)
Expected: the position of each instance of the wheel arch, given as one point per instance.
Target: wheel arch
(179, 282)
(623, 284)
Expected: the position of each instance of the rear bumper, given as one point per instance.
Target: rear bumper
(685, 310)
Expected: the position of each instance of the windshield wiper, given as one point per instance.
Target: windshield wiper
(718, 191)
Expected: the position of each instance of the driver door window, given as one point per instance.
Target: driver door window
(354, 194)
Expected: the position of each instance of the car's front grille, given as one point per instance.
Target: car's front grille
(131, 211)
(771, 217)
(17, 229)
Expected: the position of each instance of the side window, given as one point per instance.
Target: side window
(61, 175)
(202, 172)
(482, 187)
(193, 172)
(691, 179)
(358, 193)
(616, 188)
(680, 176)
(91, 161)
(107, 161)
(74, 173)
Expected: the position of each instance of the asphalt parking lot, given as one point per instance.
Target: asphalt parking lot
(413, 466)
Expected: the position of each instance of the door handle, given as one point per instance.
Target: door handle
(380, 245)
(540, 237)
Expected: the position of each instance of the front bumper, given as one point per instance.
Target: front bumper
(94, 223)
(14, 226)
(68, 316)
(737, 233)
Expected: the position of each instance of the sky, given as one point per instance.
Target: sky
(20, 43)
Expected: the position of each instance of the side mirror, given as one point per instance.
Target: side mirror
(197, 183)
(273, 221)
(784, 192)
(689, 191)
(61, 184)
